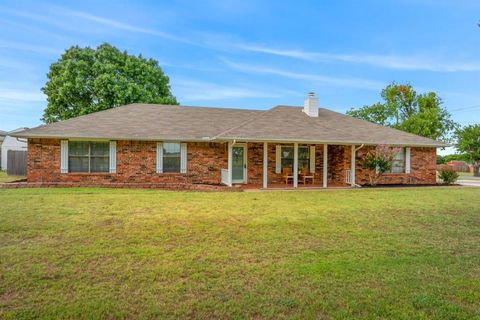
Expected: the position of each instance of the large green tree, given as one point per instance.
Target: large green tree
(468, 143)
(402, 108)
(86, 80)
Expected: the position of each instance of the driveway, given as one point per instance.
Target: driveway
(469, 182)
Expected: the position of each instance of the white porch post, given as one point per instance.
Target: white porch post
(325, 161)
(352, 167)
(230, 166)
(265, 165)
(295, 165)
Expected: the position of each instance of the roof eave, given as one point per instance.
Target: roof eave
(438, 144)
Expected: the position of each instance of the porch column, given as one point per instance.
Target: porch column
(325, 171)
(265, 165)
(230, 165)
(352, 167)
(295, 165)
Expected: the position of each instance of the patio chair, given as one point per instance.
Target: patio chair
(307, 175)
(287, 174)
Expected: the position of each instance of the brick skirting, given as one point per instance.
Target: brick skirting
(135, 185)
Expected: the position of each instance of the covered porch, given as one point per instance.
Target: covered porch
(290, 165)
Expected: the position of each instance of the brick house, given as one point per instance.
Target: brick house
(181, 146)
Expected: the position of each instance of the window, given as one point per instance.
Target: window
(84, 156)
(171, 157)
(398, 162)
(303, 158)
(287, 157)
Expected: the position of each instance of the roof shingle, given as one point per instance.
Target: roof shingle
(185, 123)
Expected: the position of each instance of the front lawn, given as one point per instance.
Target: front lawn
(6, 178)
(104, 253)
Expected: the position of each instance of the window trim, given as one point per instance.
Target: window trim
(307, 147)
(404, 165)
(89, 156)
(160, 164)
(166, 156)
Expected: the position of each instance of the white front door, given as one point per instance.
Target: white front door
(239, 164)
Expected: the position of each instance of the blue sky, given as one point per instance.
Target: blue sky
(253, 54)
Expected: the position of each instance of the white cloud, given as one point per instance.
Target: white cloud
(192, 90)
(21, 95)
(413, 62)
(121, 25)
(320, 79)
(28, 47)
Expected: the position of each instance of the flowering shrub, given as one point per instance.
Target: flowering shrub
(448, 176)
(378, 161)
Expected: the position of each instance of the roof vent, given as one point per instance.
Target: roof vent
(311, 105)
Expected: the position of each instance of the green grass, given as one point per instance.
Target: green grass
(6, 178)
(104, 253)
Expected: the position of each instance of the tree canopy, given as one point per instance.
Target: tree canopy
(86, 80)
(468, 142)
(402, 108)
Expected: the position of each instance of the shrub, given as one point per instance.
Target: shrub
(378, 161)
(448, 176)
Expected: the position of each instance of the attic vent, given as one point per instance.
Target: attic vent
(310, 106)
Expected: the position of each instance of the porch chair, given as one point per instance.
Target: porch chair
(287, 174)
(307, 175)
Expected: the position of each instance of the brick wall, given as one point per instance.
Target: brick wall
(422, 168)
(136, 163)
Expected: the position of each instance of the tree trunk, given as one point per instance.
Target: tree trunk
(476, 169)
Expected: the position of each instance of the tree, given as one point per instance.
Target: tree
(468, 142)
(378, 161)
(86, 80)
(402, 108)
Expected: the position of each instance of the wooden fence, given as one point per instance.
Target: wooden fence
(462, 168)
(16, 163)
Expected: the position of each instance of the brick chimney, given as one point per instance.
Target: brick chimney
(311, 105)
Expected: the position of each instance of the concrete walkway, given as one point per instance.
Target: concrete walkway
(470, 182)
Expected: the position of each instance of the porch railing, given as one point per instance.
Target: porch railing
(226, 177)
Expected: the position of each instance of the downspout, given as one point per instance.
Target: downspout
(356, 149)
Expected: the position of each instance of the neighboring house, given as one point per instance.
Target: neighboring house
(11, 143)
(166, 145)
(2, 137)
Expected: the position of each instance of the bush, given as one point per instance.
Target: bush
(448, 176)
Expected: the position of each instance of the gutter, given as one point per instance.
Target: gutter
(217, 139)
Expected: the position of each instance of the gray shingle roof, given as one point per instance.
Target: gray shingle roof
(282, 123)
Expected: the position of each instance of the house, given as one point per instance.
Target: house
(10, 142)
(3, 134)
(171, 146)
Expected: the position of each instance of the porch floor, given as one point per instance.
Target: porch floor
(283, 186)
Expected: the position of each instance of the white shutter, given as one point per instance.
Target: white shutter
(312, 159)
(278, 159)
(113, 156)
(64, 156)
(183, 158)
(159, 157)
(407, 160)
